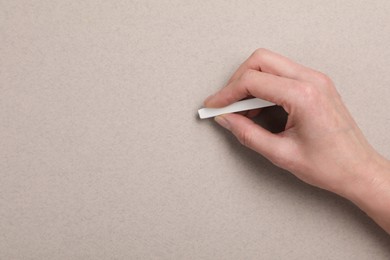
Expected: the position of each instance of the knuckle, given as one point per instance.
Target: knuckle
(260, 53)
(325, 83)
(310, 94)
(245, 136)
(246, 80)
(248, 75)
(323, 79)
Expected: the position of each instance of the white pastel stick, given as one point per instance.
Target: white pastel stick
(242, 105)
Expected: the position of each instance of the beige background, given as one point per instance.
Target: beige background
(101, 154)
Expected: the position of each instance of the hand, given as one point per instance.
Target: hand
(321, 143)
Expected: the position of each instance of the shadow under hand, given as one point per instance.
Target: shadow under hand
(274, 120)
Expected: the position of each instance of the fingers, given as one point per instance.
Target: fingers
(267, 61)
(278, 90)
(252, 135)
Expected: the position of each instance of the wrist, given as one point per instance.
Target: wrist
(370, 190)
(367, 179)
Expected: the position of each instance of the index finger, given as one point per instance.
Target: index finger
(270, 62)
(279, 90)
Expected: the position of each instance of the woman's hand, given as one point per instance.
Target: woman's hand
(321, 144)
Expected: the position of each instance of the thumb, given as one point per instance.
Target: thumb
(252, 135)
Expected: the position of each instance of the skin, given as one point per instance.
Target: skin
(321, 145)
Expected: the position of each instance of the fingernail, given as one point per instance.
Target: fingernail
(221, 120)
(208, 99)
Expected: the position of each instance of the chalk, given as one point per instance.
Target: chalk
(242, 105)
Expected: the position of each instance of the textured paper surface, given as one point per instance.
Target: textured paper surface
(89, 170)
